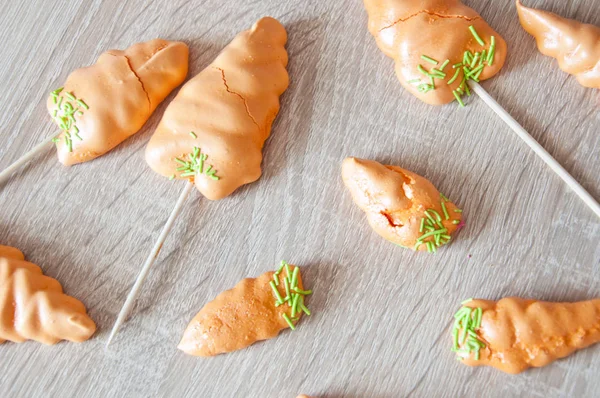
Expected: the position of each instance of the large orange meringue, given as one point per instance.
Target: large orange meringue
(214, 130)
(407, 29)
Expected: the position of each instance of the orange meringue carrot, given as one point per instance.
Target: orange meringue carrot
(401, 206)
(575, 45)
(255, 309)
(515, 334)
(102, 105)
(214, 130)
(34, 307)
(437, 45)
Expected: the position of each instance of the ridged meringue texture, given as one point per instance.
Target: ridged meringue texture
(34, 307)
(575, 45)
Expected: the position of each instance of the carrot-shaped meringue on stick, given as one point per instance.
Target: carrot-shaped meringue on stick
(401, 206)
(575, 45)
(254, 310)
(34, 307)
(438, 45)
(213, 132)
(104, 104)
(515, 334)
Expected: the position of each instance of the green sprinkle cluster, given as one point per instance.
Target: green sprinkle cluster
(67, 106)
(195, 166)
(464, 335)
(294, 296)
(432, 227)
(471, 68)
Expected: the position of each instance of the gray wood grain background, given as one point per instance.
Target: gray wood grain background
(381, 314)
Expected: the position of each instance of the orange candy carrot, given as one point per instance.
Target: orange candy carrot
(255, 309)
(401, 206)
(214, 130)
(102, 105)
(437, 45)
(515, 334)
(34, 307)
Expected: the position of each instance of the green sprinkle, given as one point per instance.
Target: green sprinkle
(55, 140)
(83, 104)
(492, 52)
(444, 197)
(294, 283)
(458, 211)
(304, 309)
(295, 304)
(283, 263)
(57, 91)
(445, 211)
(70, 96)
(413, 81)
(429, 59)
(475, 59)
(478, 317)
(289, 321)
(438, 73)
(182, 162)
(467, 57)
(474, 71)
(276, 291)
(193, 134)
(472, 29)
(429, 228)
(302, 292)
(423, 71)
(460, 101)
(172, 177)
(422, 225)
(467, 89)
(446, 62)
(458, 65)
(69, 144)
(455, 222)
(454, 77)
(416, 247)
(276, 279)
(437, 215)
(432, 81)
(433, 233)
(467, 301)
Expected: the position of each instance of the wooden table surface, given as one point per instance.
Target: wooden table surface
(382, 314)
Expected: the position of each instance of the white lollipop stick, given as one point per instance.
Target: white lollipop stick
(537, 148)
(149, 261)
(24, 159)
